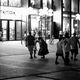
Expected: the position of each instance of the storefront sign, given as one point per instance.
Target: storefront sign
(10, 13)
(7, 12)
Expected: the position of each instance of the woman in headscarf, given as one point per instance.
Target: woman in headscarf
(43, 48)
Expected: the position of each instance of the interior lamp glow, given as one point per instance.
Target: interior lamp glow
(30, 10)
(50, 12)
(41, 12)
(57, 16)
(45, 11)
(78, 16)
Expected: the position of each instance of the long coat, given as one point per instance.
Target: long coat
(43, 49)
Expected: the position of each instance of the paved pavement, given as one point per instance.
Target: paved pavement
(16, 65)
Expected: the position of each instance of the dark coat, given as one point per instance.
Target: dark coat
(43, 48)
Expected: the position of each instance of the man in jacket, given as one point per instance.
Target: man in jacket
(30, 40)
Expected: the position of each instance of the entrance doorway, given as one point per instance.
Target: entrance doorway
(41, 25)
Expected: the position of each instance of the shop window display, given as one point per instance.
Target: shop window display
(15, 3)
(4, 2)
(12, 3)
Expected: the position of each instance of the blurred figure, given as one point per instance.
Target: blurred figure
(43, 48)
(30, 40)
(34, 49)
(52, 39)
(67, 47)
(60, 50)
(1, 36)
(74, 46)
(24, 37)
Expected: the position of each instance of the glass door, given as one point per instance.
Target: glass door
(11, 30)
(18, 30)
(4, 30)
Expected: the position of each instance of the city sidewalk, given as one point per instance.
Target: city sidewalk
(18, 47)
(16, 65)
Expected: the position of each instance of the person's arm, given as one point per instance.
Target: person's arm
(78, 42)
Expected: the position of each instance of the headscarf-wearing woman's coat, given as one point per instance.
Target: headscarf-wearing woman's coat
(43, 47)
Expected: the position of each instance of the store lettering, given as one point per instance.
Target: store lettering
(7, 12)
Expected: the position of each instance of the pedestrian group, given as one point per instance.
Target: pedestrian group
(67, 47)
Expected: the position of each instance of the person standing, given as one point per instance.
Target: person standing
(67, 48)
(30, 40)
(34, 49)
(52, 39)
(74, 47)
(60, 50)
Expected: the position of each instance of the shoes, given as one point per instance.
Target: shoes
(43, 57)
(71, 58)
(56, 62)
(31, 57)
(75, 59)
(35, 57)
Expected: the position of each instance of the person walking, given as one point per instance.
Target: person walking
(52, 39)
(60, 50)
(43, 48)
(30, 40)
(35, 49)
(67, 48)
(74, 47)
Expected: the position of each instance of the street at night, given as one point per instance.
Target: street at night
(15, 64)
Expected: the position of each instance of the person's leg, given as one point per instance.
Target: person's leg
(35, 54)
(75, 54)
(31, 55)
(35, 51)
(43, 57)
(56, 61)
(67, 58)
(63, 58)
(31, 51)
(72, 51)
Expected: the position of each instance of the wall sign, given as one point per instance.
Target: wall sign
(7, 12)
(10, 13)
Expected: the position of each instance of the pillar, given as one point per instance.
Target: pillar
(29, 23)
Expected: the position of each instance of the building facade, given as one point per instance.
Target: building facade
(19, 16)
(70, 21)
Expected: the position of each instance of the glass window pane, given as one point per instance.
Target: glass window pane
(35, 3)
(74, 6)
(15, 3)
(66, 24)
(44, 3)
(4, 29)
(12, 30)
(79, 6)
(4, 2)
(66, 5)
(18, 30)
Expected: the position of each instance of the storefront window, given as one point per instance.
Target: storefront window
(4, 2)
(12, 30)
(18, 30)
(74, 4)
(66, 24)
(4, 29)
(66, 5)
(79, 6)
(15, 3)
(36, 4)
